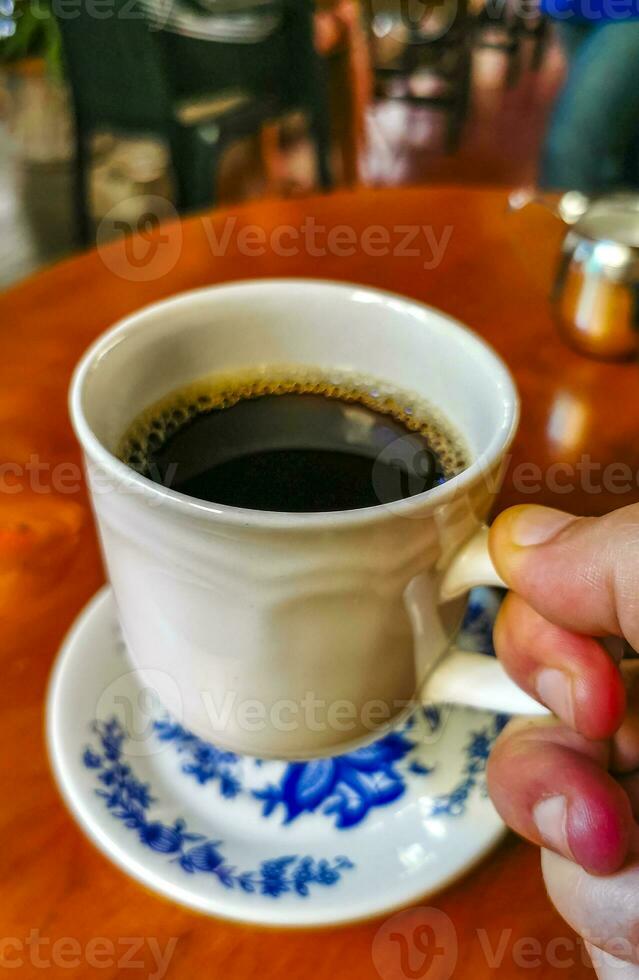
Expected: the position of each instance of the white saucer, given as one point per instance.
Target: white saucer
(267, 842)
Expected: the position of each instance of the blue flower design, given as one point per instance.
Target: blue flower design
(91, 759)
(348, 786)
(204, 857)
(206, 762)
(453, 803)
(476, 632)
(166, 839)
(130, 801)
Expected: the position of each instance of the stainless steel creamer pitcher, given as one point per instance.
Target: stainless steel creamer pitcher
(596, 289)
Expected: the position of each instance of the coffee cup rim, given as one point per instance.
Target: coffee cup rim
(188, 506)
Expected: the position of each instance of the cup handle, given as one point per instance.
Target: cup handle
(473, 679)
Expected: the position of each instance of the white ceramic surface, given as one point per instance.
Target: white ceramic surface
(230, 608)
(294, 844)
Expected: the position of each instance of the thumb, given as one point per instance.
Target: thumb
(580, 573)
(598, 907)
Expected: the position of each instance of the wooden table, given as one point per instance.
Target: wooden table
(494, 275)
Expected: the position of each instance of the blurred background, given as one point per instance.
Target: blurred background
(107, 105)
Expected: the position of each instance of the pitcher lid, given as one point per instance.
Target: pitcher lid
(610, 218)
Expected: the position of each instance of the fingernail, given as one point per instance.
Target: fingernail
(536, 525)
(550, 816)
(555, 690)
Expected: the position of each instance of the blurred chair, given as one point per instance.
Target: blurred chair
(494, 30)
(539, 31)
(341, 38)
(130, 77)
(436, 46)
(341, 55)
(503, 30)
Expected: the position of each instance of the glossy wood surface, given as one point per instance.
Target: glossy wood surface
(495, 276)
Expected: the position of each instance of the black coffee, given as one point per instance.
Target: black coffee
(291, 445)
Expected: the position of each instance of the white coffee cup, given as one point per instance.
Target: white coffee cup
(286, 634)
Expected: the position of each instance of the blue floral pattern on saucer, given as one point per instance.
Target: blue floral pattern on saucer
(130, 801)
(344, 788)
(205, 762)
(347, 786)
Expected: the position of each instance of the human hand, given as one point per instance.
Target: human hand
(571, 783)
